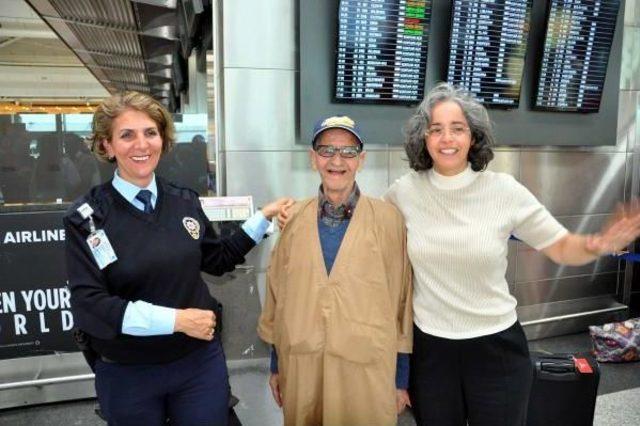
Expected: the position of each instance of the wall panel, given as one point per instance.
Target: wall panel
(573, 183)
(630, 66)
(632, 13)
(259, 34)
(259, 109)
(555, 290)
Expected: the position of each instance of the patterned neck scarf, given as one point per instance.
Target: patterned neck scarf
(332, 215)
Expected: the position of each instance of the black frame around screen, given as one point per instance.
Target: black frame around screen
(540, 59)
(382, 123)
(422, 75)
(529, 5)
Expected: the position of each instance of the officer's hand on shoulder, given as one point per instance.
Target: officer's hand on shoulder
(274, 207)
(284, 216)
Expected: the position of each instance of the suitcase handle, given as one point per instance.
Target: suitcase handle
(559, 371)
(557, 367)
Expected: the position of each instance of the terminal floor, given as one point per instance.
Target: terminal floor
(618, 395)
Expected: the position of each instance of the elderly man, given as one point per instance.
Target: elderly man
(338, 305)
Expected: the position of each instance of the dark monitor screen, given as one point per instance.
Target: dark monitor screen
(382, 50)
(577, 44)
(487, 49)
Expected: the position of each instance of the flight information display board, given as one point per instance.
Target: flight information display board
(382, 50)
(576, 52)
(488, 43)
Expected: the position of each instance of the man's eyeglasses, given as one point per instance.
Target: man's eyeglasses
(350, 151)
(456, 131)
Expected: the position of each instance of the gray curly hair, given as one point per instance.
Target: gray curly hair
(480, 153)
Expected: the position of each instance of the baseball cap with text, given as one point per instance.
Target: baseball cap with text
(336, 122)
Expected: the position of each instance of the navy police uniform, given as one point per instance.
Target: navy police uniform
(159, 259)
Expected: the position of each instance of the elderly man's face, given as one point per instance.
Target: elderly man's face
(338, 173)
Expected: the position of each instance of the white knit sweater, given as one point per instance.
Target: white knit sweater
(457, 233)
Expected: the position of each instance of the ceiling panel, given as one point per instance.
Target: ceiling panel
(126, 44)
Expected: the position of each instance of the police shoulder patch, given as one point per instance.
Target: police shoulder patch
(192, 226)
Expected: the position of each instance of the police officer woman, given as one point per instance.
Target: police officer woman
(138, 292)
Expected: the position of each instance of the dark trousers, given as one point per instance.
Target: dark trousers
(482, 381)
(193, 390)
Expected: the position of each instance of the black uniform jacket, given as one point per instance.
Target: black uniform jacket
(159, 259)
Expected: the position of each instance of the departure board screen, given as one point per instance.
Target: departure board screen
(488, 43)
(576, 53)
(382, 50)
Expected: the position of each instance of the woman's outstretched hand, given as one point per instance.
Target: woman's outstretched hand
(620, 231)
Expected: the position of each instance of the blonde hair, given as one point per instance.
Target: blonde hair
(112, 107)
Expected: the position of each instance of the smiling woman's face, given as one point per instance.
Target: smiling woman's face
(448, 139)
(136, 145)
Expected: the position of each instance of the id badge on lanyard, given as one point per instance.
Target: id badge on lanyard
(97, 240)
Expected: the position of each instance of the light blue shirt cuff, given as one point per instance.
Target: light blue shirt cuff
(256, 226)
(144, 319)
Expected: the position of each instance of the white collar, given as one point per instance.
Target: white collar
(461, 180)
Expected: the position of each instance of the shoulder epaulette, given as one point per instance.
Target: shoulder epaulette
(99, 199)
(177, 190)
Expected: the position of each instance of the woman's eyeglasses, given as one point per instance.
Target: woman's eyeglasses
(350, 151)
(456, 131)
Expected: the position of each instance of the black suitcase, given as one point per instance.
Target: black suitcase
(564, 389)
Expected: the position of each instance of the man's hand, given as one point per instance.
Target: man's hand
(402, 400)
(274, 384)
(274, 207)
(198, 323)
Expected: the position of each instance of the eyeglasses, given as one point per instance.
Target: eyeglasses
(328, 151)
(456, 131)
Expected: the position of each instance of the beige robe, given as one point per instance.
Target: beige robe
(337, 336)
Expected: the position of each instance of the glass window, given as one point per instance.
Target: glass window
(45, 159)
(187, 164)
(190, 125)
(38, 122)
(79, 124)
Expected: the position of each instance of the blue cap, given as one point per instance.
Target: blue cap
(336, 122)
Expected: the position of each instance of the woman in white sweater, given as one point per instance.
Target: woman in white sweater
(470, 359)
